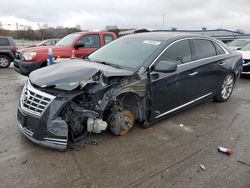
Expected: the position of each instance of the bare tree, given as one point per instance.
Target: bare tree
(112, 28)
(240, 31)
(78, 27)
(59, 27)
(43, 30)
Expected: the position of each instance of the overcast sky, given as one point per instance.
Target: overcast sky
(96, 14)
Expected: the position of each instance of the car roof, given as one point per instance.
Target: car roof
(164, 36)
(5, 37)
(92, 32)
(246, 39)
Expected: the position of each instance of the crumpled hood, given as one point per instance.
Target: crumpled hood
(69, 75)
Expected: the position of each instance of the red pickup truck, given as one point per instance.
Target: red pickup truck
(76, 45)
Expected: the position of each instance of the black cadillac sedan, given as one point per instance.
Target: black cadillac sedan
(137, 79)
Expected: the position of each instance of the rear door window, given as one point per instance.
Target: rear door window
(203, 48)
(108, 39)
(4, 42)
(91, 41)
(179, 53)
(219, 50)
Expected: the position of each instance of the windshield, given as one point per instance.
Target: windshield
(246, 48)
(128, 53)
(41, 43)
(67, 40)
(239, 43)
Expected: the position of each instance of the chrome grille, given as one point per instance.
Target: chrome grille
(246, 61)
(34, 101)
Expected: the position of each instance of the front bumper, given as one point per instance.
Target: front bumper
(38, 118)
(57, 144)
(25, 68)
(53, 134)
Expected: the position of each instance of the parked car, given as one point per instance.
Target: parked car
(7, 51)
(138, 78)
(48, 42)
(73, 45)
(237, 44)
(245, 52)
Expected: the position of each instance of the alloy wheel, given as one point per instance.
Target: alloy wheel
(227, 86)
(4, 62)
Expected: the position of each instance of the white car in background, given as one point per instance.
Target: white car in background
(238, 44)
(245, 52)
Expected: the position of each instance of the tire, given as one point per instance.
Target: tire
(226, 88)
(4, 61)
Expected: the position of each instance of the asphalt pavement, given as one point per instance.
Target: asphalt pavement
(171, 153)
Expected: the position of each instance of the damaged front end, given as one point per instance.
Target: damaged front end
(53, 115)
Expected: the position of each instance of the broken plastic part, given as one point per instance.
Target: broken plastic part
(225, 150)
(96, 125)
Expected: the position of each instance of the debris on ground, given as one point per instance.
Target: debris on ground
(91, 142)
(181, 125)
(25, 161)
(225, 150)
(243, 163)
(202, 167)
(76, 147)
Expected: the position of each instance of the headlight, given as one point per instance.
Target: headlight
(29, 55)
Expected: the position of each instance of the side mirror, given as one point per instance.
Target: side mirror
(165, 66)
(79, 45)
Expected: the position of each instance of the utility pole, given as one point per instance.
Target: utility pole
(163, 21)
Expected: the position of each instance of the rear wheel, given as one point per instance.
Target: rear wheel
(226, 88)
(4, 61)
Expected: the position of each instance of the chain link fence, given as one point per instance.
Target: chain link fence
(21, 43)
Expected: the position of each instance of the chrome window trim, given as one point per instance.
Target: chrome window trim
(190, 38)
(183, 105)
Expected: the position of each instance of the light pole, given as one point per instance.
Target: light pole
(163, 21)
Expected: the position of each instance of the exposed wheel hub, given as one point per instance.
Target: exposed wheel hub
(121, 121)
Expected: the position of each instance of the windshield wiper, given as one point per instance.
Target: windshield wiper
(109, 64)
(86, 58)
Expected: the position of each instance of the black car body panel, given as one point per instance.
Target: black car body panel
(8, 48)
(67, 100)
(25, 68)
(82, 71)
(7, 51)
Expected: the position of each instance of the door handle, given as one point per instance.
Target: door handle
(193, 73)
(222, 63)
